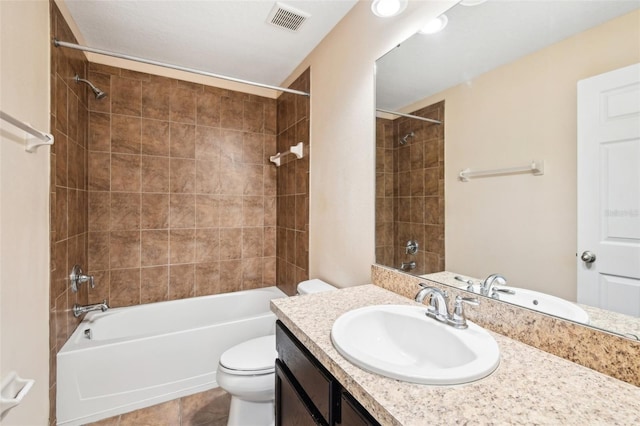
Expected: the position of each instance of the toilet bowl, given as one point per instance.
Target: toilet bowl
(247, 372)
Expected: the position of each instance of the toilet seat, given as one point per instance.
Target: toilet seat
(253, 357)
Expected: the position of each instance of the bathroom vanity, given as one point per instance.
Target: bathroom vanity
(306, 393)
(316, 385)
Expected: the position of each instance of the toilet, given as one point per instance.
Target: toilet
(247, 372)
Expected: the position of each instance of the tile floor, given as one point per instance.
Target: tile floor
(209, 408)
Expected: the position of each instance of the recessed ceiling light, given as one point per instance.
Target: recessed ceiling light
(434, 25)
(472, 2)
(388, 8)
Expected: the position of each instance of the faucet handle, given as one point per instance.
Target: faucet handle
(458, 320)
(468, 300)
(74, 277)
(78, 277)
(495, 292)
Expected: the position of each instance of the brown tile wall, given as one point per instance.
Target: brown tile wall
(416, 185)
(293, 188)
(69, 196)
(385, 178)
(182, 196)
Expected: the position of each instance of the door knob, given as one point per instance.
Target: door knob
(588, 257)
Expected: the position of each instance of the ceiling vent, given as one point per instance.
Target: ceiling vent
(287, 17)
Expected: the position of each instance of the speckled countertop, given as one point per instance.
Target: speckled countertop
(529, 387)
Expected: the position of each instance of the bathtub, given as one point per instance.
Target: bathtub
(129, 358)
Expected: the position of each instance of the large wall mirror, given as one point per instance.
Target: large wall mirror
(496, 91)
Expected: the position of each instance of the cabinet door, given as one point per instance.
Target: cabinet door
(353, 414)
(315, 382)
(306, 393)
(291, 409)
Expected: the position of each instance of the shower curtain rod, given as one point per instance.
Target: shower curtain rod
(58, 43)
(401, 114)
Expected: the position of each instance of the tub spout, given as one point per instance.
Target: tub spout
(79, 310)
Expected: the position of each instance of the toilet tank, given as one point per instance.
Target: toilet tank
(314, 286)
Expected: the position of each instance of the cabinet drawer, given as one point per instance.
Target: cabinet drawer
(314, 380)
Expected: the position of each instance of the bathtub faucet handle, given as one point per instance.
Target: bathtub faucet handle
(77, 277)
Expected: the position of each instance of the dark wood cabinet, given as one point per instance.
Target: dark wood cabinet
(306, 393)
(352, 413)
(291, 408)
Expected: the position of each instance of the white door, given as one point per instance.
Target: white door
(608, 257)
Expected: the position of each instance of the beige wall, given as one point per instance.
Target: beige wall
(522, 226)
(24, 206)
(342, 176)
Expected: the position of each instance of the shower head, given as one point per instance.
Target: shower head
(99, 93)
(404, 139)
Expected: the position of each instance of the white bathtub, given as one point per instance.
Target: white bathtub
(147, 354)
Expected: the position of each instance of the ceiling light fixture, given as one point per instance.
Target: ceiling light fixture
(388, 8)
(435, 25)
(472, 2)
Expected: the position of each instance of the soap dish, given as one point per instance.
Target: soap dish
(12, 390)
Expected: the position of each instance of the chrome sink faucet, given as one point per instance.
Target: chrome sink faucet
(438, 308)
(487, 287)
(438, 303)
(79, 310)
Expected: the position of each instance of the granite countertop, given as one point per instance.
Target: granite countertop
(529, 386)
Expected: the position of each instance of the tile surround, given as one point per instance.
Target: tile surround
(292, 216)
(410, 190)
(179, 184)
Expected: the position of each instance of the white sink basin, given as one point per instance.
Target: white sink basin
(542, 302)
(401, 342)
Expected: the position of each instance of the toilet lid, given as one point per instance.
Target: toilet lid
(254, 356)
